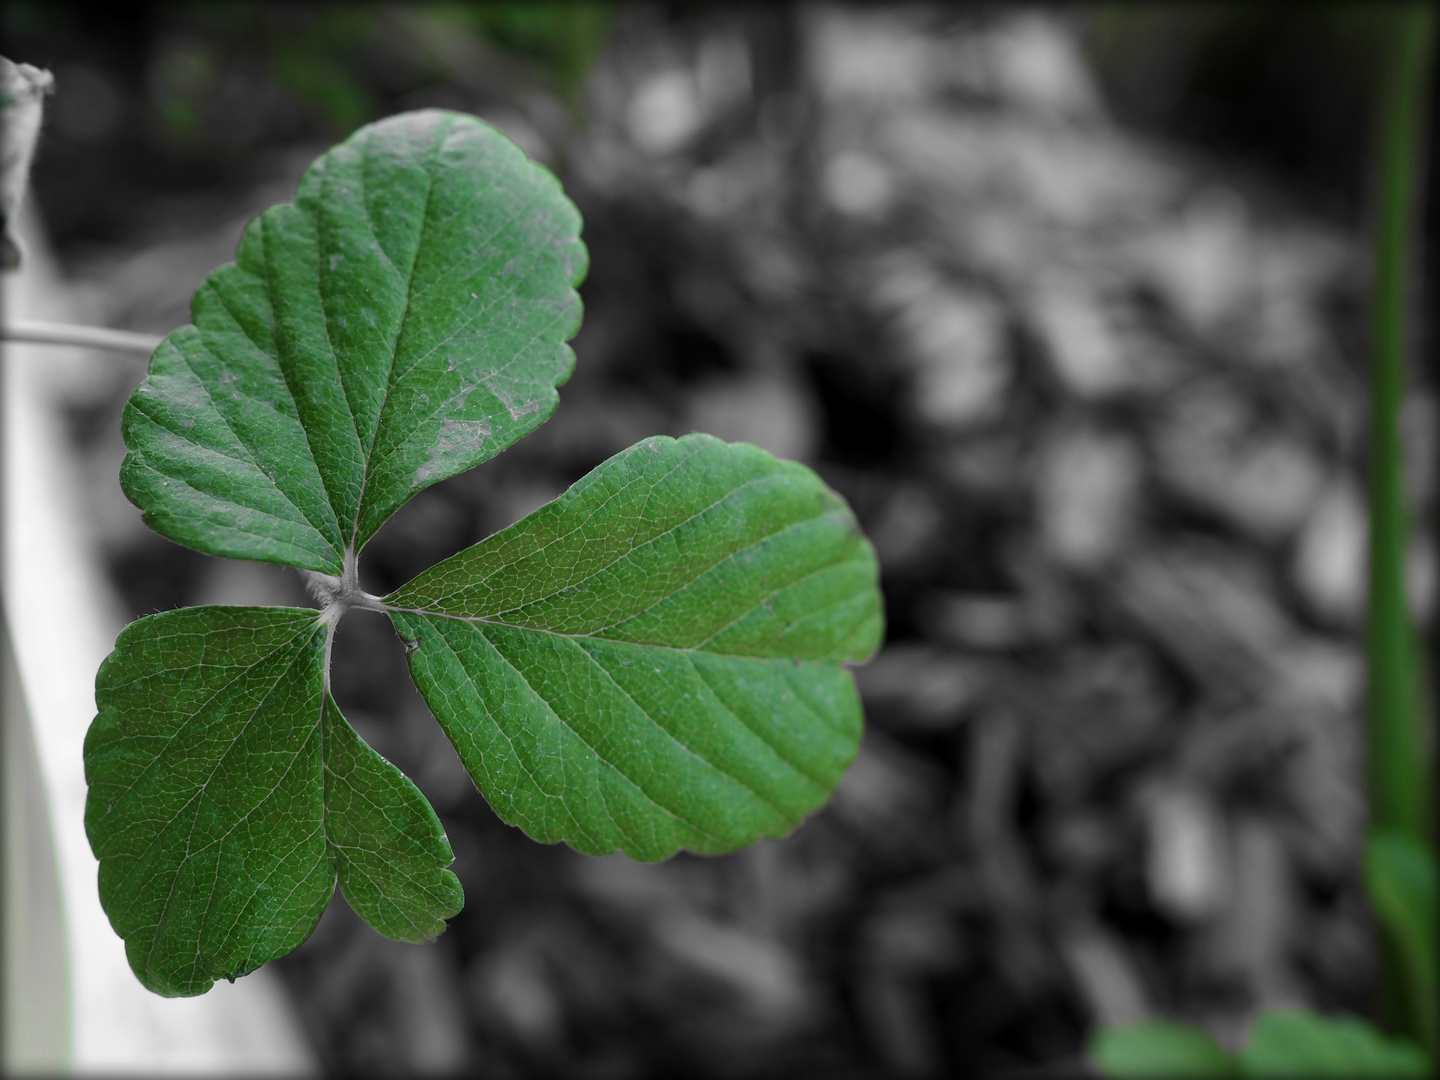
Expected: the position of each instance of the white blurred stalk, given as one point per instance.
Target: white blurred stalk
(63, 618)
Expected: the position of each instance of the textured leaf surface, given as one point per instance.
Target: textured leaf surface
(652, 661)
(1306, 1044)
(226, 791)
(390, 850)
(402, 321)
(1151, 1049)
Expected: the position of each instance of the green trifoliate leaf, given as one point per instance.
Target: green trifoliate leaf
(227, 792)
(653, 661)
(1305, 1044)
(1158, 1049)
(402, 321)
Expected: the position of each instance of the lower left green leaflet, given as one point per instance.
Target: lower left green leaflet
(228, 794)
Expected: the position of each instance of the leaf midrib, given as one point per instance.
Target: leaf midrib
(367, 448)
(634, 548)
(596, 635)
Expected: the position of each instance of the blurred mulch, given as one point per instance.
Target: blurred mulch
(1098, 406)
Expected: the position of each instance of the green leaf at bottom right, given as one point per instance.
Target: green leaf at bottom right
(1292, 1044)
(1305, 1044)
(1155, 1048)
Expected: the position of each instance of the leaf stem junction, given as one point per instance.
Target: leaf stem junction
(338, 595)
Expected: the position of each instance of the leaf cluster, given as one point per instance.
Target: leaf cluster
(653, 661)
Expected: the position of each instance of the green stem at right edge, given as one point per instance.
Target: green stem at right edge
(1400, 860)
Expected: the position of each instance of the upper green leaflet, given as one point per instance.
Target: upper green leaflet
(651, 662)
(403, 321)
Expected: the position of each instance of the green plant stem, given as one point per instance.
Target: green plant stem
(1399, 763)
(1398, 767)
(89, 337)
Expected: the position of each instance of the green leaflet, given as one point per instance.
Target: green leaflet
(651, 661)
(1282, 1045)
(1404, 889)
(1152, 1049)
(1296, 1044)
(389, 847)
(402, 321)
(227, 793)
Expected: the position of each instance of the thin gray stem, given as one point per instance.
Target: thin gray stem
(89, 337)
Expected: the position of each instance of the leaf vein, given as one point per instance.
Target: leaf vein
(759, 734)
(671, 736)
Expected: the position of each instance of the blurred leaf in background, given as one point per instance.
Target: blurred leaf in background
(1295, 1044)
(315, 61)
(217, 63)
(1401, 882)
(563, 37)
(204, 98)
(1159, 1048)
(1291, 1044)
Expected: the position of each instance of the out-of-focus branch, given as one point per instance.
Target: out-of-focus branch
(89, 337)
